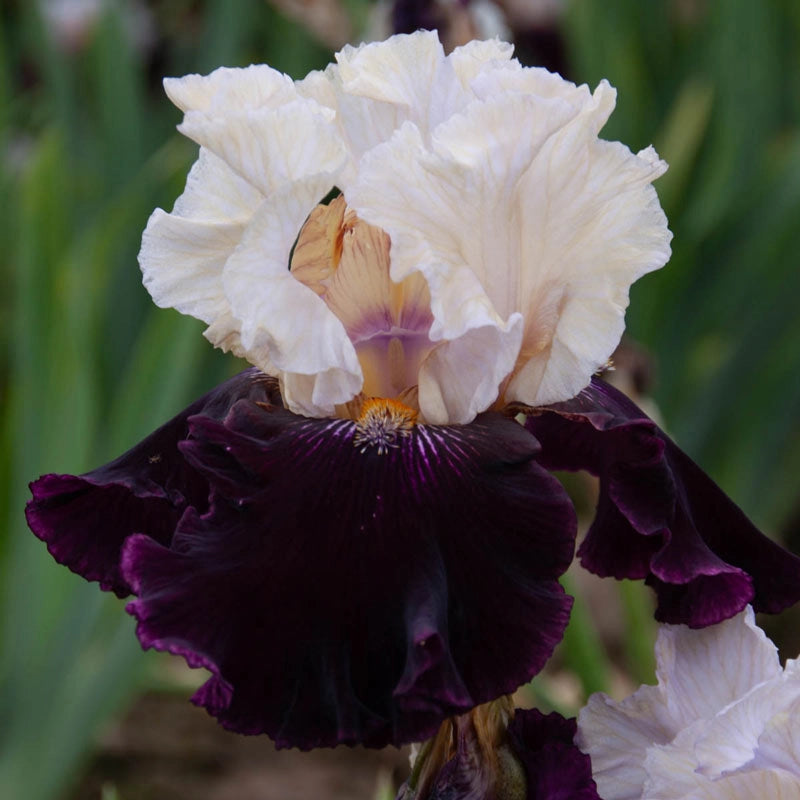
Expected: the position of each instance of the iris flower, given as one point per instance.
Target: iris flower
(356, 536)
(722, 724)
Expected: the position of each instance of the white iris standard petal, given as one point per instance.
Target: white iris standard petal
(410, 77)
(517, 196)
(183, 253)
(271, 147)
(722, 721)
(230, 89)
(509, 76)
(285, 326)
(376, 88)
(402, 74)
(268, 155)
(482, 192)
(477, 57)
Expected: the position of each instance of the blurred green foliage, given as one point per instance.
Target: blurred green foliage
(716, 86)
(88, 365)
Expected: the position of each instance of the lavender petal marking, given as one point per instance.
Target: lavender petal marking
(341, 595)
(659, 516)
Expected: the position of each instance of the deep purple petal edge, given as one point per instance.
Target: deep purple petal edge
(660, 517)
(84, 519)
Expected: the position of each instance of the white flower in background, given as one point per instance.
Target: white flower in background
(481, 252)
(723, 723)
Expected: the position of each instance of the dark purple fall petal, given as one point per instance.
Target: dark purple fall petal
(340, 595)
(554, 767)
(659, 516)
(85, 519)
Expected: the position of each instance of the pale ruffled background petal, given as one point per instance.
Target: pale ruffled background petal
(758, 785)
(723, 706)
(701, 671)
(734, 736)
(617, 735)
(779, 744)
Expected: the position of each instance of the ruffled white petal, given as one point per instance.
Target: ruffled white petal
(515, 205)
(272, 147)
(522, 228)
(320, 86)
(268, 155)
(182, 262)
(215, 193)
(779, 744)
(734, 736)
(460, 378)
(757, 785)
(673, 775)
(672, 769)
(702, 671)
(284, 324)
(511, 77)
(723, 720)
(617, 735)
(228, 90)
(378, 87)
(224, 333)
(183, 253)
(478, 56)
(592, 226)
(398, 70)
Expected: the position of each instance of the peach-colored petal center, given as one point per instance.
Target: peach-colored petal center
(346, 262)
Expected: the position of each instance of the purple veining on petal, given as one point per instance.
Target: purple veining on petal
(554, 767)
(391, 361)
(85, 519)
(410, 322)
(342, 596)
(660, 517)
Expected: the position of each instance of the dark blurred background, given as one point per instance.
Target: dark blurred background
(88, 365)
